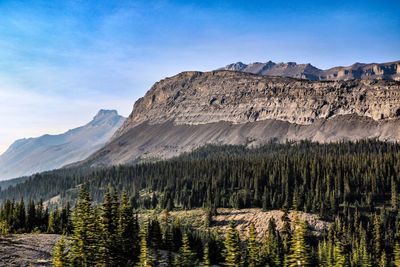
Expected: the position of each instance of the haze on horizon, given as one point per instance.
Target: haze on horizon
(62, 62)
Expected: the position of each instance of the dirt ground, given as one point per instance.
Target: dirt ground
(27, 249)
(242, 218)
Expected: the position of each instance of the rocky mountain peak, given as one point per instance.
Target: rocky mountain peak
(238, 66)
(105, 116)
(31, 155)
(382, 71)
(105, 113)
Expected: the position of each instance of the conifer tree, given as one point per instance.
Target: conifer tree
(396, 255)
(31, 216)
(128, 235)
(339, 254)
(365, 256)
(20, 217)
(252, 248)
(83, 251)
(168, 245)
(59, 254)
(323, 254)
(286, 232)
(232, 247)
(186, 257)
(383, 262)
(377, 238)
(206, 256)
(144, 254)
(299, 253)
(108, 227)
(65, 219)
(394, 197)
(272, 245)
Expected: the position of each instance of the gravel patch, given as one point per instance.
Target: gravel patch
(27, 249)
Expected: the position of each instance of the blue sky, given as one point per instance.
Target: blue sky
(61, 61)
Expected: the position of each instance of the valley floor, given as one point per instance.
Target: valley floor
(27, 249)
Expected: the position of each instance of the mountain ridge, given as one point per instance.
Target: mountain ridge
(385, 71)
(192, 109)
(30, 155)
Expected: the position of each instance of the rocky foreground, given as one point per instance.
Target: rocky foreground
(27, 249)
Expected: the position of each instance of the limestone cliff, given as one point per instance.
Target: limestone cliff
(191, 109)
(199, 98)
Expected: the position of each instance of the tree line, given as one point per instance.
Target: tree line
(274, 176)
(21, 217)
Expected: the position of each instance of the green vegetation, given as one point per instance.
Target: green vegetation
(352, 185)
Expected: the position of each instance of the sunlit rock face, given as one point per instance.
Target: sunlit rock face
(382, 71)
(191, 109)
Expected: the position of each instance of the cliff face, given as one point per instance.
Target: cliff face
(384, 71)
(192, 109)
(199, 98)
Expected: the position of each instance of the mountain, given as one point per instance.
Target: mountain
(385, 71)
(191, 109)
(28, 156)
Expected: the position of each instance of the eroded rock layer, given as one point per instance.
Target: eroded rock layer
(200, 98)
(192, 109)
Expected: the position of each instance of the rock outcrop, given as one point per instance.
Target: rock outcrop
(384, 71)
(227, 107)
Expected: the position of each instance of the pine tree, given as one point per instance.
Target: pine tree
(396, 255)
(383, 262)
(272, 246)
(59, 255)
(31, 216)
(339, 255)
(54, 222)
(128, 235)
(377, 238)
(84, 243)
(232, 247)
(286, 232)
(186, 257)
(20, 217)
(168, 243)
(394, 198)
(365, 256)
(252, 247)
(144, 255)
(208, 217)
(299, 253)
(206, 256)
(65, 219)
(323, 254)
(108, 227)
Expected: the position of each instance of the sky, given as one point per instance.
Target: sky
(62, 61)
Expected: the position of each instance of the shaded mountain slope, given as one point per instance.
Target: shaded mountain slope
(28, 156)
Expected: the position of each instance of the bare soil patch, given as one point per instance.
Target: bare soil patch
(27, 249)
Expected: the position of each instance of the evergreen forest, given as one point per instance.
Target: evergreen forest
(352, 185)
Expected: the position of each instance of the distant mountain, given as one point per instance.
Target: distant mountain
(28, 156)
(382, 71)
